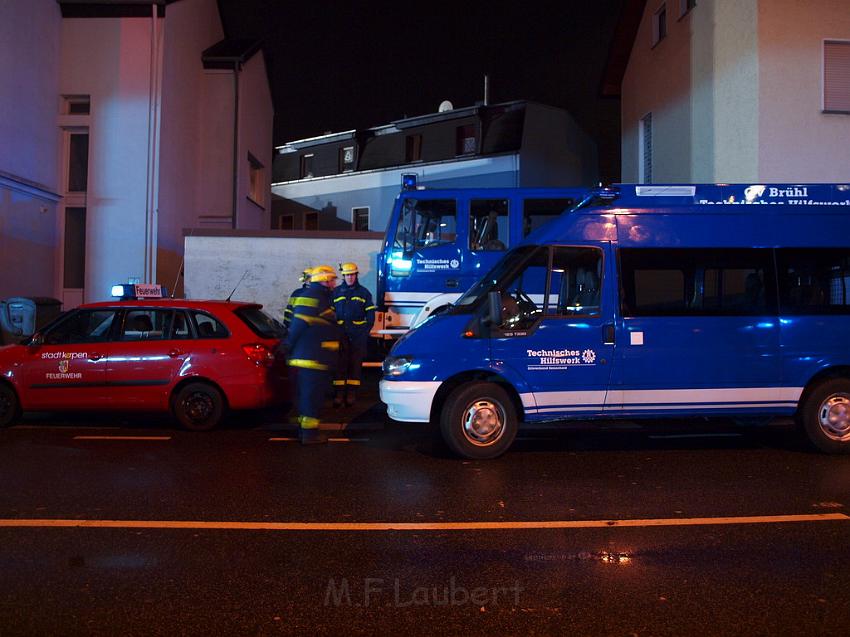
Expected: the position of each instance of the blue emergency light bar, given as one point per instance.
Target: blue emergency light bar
(408, 181)
(134, 291)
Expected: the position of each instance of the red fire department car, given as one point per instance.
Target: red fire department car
(196, 359)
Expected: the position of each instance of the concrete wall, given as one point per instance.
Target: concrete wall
(190, 27)
(377, 189)
(798, 142)
(110, 60)
(272, 265)
(29, 147)
(555, 150)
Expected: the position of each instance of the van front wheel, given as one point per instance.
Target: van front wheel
(825, 416)
(478, 421)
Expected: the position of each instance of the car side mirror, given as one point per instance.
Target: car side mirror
(494, 316)
(35, 340)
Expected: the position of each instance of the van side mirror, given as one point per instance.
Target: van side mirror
(494, 316)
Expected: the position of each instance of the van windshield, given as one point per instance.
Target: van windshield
(497, 275)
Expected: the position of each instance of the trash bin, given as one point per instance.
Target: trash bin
(21, 317)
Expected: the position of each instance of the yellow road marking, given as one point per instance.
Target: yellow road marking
(414, 526)
(122, 437)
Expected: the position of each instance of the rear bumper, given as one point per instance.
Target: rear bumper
(254, 391)
(409, 401)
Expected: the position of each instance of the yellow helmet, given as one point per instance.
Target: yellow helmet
(348, 268)
(306, 274)
(322, 273)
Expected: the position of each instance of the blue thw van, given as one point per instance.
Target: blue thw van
(440, 241)
(658, 300)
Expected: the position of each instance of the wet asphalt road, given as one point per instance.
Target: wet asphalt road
(760, 577)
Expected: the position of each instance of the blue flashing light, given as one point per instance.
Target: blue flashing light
(408, 181)
(133, 291)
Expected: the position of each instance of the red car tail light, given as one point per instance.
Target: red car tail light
(259, 353)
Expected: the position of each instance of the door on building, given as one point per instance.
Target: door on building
(75, 184)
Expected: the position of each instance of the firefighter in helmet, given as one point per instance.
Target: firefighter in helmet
(355, 313)
(305, 281)
(313, 346)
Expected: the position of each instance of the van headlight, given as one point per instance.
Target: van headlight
(396, 365)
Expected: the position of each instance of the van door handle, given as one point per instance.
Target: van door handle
(608, 334)
(451, 283)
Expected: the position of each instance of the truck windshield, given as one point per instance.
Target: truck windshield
(496, 276)
(425, 223)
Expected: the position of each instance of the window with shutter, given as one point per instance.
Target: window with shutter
(836, 77)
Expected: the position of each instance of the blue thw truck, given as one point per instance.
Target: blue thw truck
(646, 301)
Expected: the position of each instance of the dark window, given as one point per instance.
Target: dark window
(413, 148)
(465, 140)
(83, 326)
(180, 329)
(146, 325)
(311, 220)
(207, 326)
(74, 272)
(646, 149)
(814, 280)
(286, 222)
(659, 25)
(78, 162)
(488, 224)
(360, 219)
(306, 166)
(697, 282)
(836, 76)
(78, 105)
(523, 295)
(536, 212)
(346, 159)
(426, 223)
(260, 323)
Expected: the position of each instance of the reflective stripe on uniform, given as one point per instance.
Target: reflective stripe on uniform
(353, 382)
(312, 320)
(371, 307)
(337, 383)
(331, 345)
(338, 299)
(358, 298)
(308, 422)
(306, 364)
(340, 322)
(305, 300)
(328, 312)
(359, 322)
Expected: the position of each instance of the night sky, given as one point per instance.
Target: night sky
(336, 66)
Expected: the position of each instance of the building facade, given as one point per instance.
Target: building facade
(120, 128)
(734, 91)
(348, 181)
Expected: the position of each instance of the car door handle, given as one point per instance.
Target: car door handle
(174, 353)
(95, 357)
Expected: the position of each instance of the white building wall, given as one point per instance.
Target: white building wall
(191, 26)
(29, 105)
(110, 60)
(658, 81)
(798, 142)
(255, 128)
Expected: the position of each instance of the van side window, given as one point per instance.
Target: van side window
(426, 223)
(814, 280)
(524, 295)
(488, 224)
(575, 286)
(536, 212)
(697, 282)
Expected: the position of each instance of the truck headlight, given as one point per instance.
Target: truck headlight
(396, 365)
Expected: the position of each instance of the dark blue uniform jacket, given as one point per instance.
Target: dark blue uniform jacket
(313, 337)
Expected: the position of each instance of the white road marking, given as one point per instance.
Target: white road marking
(122, 437)
(414, 526)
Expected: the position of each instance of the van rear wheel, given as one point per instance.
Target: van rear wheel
(479, 421)
(825, 416)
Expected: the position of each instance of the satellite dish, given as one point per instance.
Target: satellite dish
(445, 105)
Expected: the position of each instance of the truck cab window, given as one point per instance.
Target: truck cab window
(537, 212)
(426, 223)
(488, 224)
